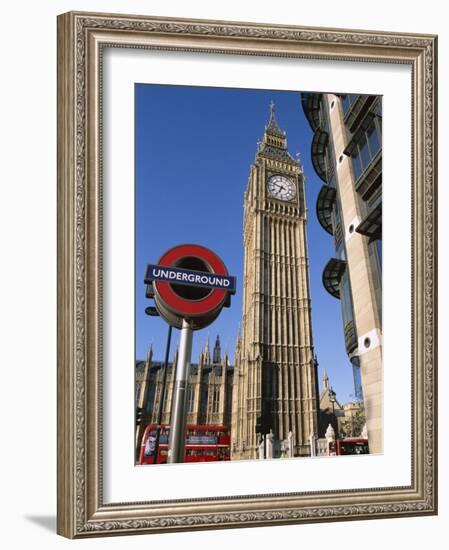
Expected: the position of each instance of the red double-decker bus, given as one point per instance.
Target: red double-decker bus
(354, 446)
(203, 444)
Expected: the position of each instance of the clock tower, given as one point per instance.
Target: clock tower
(275, 378)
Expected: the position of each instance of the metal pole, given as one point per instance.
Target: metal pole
(162, 397)
(178, 417)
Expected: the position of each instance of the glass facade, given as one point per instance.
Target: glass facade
(326, 160)
(379, 252)
(324, 123)
(355, 362)
(375, 253)
(338, 230)
(340, 251)
(346, 299)
(347, 101)
(330, 155)
(367, 148)
(361, 129)
(337, 215)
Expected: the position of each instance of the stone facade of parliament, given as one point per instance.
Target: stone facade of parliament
(209, 390)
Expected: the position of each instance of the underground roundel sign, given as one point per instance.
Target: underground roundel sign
(190, 282)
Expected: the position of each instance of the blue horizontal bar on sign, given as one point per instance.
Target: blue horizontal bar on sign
(189, 277)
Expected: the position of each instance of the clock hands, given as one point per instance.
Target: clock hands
(281, 188)
(278, 185)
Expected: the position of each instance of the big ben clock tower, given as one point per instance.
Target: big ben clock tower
(275, 379)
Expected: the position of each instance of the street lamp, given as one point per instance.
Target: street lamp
(332, 396)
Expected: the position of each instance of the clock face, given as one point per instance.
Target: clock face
(281, 188)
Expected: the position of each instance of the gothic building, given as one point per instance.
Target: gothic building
(347, 156)
(347, 420)
(275, 380)
(209, 391)
(331, 411)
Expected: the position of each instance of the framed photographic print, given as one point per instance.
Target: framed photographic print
(298, 164)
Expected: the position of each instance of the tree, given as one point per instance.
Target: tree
(353, 426)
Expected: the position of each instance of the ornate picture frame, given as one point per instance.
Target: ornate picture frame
(82, 39)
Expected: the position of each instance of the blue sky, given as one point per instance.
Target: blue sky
(194, 148)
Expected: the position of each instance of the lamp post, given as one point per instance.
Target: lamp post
(162, 398)
(152, 311)
(332, 396)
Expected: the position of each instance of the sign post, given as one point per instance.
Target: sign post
(190, 285)
(178, 416)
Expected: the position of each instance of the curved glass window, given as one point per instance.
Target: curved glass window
(324, 122)
(330, 152)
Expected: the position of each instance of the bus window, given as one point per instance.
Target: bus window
(150, 445)
(353, 448)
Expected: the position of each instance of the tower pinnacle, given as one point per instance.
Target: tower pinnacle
(273, 127)
(325, 380)
(274, 142)
(206, 349)
(217, 351)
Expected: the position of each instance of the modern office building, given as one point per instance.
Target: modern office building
(275, 380)
(209, 390)
(347, 155)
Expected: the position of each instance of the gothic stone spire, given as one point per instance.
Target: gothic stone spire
(274, 142)
(272, 127)
(217, 351)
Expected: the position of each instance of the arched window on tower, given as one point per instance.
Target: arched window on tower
(216, 401)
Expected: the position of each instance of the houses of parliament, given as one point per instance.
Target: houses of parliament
(273, 388)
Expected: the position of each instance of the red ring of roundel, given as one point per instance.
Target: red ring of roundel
(187, 307)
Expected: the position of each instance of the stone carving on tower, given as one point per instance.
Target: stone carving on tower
(275, 378)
